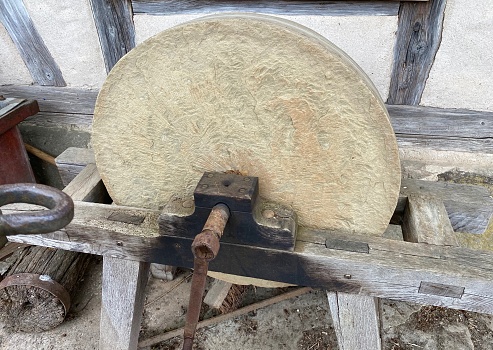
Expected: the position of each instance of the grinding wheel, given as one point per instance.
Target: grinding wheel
(255, 94)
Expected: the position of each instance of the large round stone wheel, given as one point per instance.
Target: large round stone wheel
(254, 94)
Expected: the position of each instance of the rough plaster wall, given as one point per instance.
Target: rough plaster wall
(461, 76)
(70, 35)
(369, 40)
(12, 67)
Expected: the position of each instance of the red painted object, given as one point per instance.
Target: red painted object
(14, 162)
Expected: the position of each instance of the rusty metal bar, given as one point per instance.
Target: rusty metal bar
(205, 247)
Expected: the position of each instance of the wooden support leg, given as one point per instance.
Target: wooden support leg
(124, 283)
(356, 320)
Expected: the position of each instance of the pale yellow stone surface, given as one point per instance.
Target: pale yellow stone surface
(254, 94)
(368, 40)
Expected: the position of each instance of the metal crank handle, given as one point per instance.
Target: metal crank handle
(205, 247)
(59, 214)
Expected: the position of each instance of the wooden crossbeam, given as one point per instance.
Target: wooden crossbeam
(390, 269)
(36, 56)
(283, 7)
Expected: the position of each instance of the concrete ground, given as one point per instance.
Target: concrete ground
(300, 323)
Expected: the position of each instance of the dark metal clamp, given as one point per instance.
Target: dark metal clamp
(59, 214)
(228, 204)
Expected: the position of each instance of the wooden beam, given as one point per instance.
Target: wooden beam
(426, 221)
(283, 7)
(388, 269)
(122, 302)
(72, 161)
(469, 208)
(114, 23)
(36, 56)
(87, 186)
(441, 122)
(356, 320)
(418, 37)
(55, 99)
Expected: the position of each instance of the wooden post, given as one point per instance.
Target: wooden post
(356, 320)
(426, 221)
(124, 283)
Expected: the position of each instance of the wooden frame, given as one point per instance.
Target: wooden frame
(418, 39)
(419, 272)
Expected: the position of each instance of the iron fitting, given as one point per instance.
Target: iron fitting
(205, 245)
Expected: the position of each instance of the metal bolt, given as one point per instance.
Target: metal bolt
(119, 243)
(247, 179)
(187, 204)
(204, 186)
(210, 175)
(242, 190)
(347, 276)
(268, 214)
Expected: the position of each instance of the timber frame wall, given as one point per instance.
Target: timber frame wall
(418, 39)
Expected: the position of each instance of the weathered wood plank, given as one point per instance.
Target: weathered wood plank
(418, 37)
(426, 221)
(36, 56)
(82, 122)
(122, 302)
(72, 161)
(217, 293)
(469, 208)
(356, 321)
(417, 120)
(55, 99)
(87, 186)
(114, 23)
(283, 7)
(440, 143)
(391, 269)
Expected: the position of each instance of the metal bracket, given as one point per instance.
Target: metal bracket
(253, 222)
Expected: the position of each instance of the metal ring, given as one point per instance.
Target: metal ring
(59, 214)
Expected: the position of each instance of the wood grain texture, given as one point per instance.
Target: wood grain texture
(283, 7)
(54, 99)
(383, 272)
(72, 161)
(429, 121)
(426, 221)
(217, 293)
(115, 27)
(418, 37)
(36, 56)
(87, 186)
(122, 301)
(356, 321)
(258, 95)
(469, 207)
(30, 308)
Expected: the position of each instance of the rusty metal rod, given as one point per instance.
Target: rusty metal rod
(205, 247)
